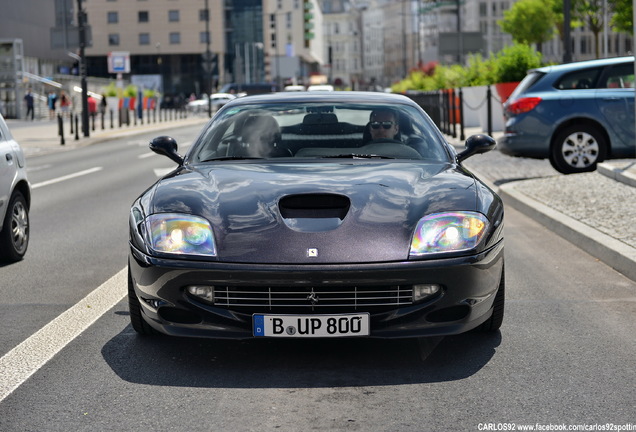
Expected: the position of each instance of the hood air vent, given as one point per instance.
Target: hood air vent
(314, 206)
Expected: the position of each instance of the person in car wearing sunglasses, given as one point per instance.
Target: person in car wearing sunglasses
(383, 125)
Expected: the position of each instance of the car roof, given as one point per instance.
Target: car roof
(583, 64)
(335, 97)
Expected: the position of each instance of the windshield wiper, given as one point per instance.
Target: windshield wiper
(359, 156)
(225, 158)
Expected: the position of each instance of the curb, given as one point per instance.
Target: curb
(619, 174)
(616, 254)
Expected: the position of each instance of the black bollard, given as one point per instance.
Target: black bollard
(76, 128)
(462, 136)
(60, 129)
(489, 105)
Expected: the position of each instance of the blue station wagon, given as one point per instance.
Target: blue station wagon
(575, 114)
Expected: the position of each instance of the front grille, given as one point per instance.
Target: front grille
(302, 300)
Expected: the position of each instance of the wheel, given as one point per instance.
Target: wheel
(137, 321)
(14, 238)
(494, 322)
(578, 149)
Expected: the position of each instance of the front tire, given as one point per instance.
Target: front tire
(578, 149)
(136, 318)
(14, 238)
(494, 322)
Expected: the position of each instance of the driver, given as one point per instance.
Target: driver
(383, 124)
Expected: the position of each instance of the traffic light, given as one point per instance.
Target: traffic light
(308, 25)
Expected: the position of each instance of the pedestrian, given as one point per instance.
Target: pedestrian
(51, 101)
(28, 99)
(103, 105)
(65, 104)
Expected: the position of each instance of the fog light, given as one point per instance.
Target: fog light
(203, 292)
(421, 291)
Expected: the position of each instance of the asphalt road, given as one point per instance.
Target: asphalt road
(564, 355)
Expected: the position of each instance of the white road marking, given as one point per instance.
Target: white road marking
(66, 177)
(24, 360)
(146, 155)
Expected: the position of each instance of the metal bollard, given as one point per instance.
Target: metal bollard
(76, 128)
(462, 136)
(60, 129)
(488, 95)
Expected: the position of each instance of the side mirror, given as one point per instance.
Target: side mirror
(166, 146)
(477, 144)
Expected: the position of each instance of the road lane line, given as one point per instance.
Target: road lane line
(24, 360)
(66, 177)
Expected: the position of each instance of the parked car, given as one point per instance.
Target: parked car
(335, 214)
(320, 87)
(249, 89)
(15, 198)
(575, 114)
(201, 105)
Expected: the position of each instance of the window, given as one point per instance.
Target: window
(113, 17)
(204, 37)
(203, 15)
(175, 38)
(144, 38)
(173, 16)
(619, 76)
(142, 16)
(583, 79)
(288, 20)
(483, 9)
(113, 39)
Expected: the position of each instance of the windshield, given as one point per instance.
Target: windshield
(319, 130)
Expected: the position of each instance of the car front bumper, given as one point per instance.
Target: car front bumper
(468, 288)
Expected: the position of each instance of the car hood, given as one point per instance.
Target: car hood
(301, 213)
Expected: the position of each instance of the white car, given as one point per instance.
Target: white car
(15, 198)
(218, 100)
(320, 87)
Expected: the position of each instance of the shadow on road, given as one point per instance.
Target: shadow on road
(182, 362)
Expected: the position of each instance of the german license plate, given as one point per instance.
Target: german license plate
(303, 326)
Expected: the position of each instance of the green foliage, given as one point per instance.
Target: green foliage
(130, 91)
(508, 65)
(111, 90)
(623, 18)
(478, 71)
(513, 62)
(529, 21)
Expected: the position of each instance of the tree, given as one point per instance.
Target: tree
(591, 12)
(623, 18)
(529, 21)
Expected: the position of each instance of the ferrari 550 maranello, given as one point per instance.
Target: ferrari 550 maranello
(340, 214)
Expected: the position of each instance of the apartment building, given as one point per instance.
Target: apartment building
(249, 40)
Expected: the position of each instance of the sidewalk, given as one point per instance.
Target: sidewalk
(41, 136)
(595, 211)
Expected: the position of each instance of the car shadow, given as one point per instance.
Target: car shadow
(268, 363)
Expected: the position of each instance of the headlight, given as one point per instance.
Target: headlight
(448, 232)
(175, 233)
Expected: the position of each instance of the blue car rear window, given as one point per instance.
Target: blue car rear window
(581, 79)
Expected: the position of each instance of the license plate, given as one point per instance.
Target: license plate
(303, 326)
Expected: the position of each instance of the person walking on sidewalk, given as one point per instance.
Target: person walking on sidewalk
(28, 99)
(51, 101)
(65, 104)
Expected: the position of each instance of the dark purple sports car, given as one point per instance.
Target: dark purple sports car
(340, 214)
